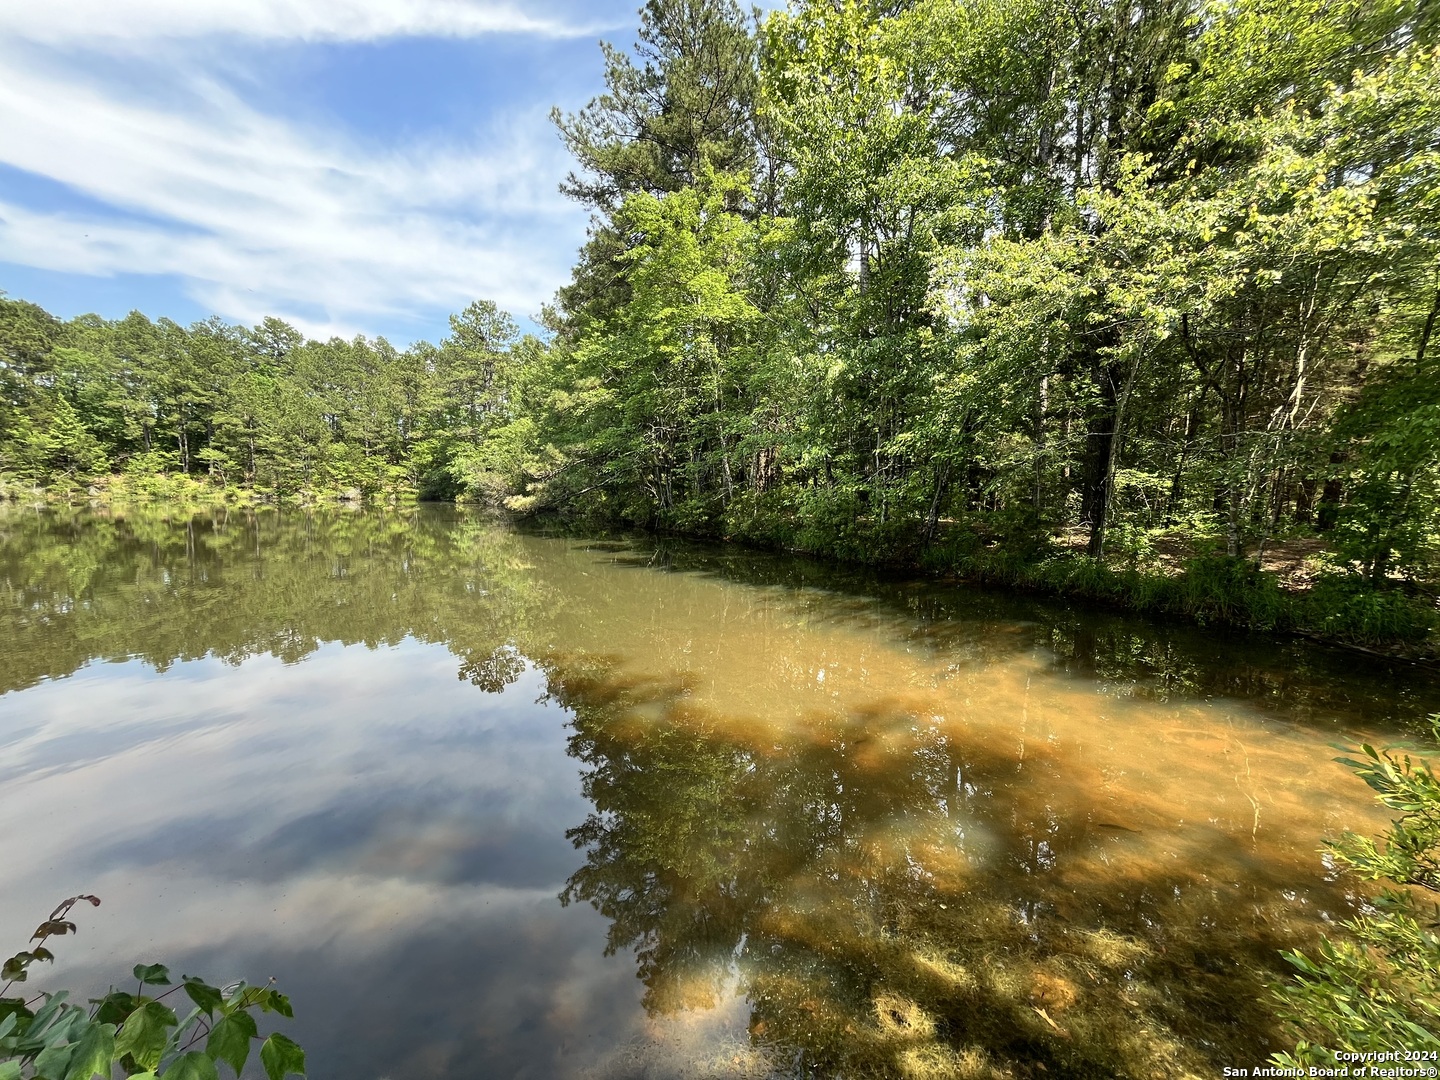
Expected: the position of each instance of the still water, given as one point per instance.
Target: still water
(492, 804)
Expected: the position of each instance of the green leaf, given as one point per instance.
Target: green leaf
(281, 1056)
(274, 1001)
(193, 1066)
(183, 1033)
(143, 1035)
(237, 995)
(47, 1011)
(10, 1070)
(152, 974)
(93, 1053)
(13, 1008)
(115, 1007)
(62, 1026)
(203, 994)
(230, 1040)
(53, 1062)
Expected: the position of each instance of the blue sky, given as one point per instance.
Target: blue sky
(353, 166)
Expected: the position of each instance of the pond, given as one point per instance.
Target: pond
(493, 803)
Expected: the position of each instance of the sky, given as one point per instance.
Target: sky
(351, 166)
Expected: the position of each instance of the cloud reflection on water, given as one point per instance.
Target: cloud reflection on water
(362, 819)
(893, 816)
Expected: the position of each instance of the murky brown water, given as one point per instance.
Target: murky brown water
(837, 825)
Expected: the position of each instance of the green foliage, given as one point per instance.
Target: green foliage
(136, 1034)
(1388, 524)
(685, 107)
(964, 283)
(946, 283)
(1227, 590)
(1345, 607)
(173, 410)
(1379, 988)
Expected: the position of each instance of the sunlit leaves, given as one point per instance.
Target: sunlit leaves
(683, 108)
(145, 1032)
(92, 1054)
(1378, 989)
(281, 1057)
(192, 1066)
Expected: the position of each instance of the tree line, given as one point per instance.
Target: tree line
(886, 279)
(867, 270)
(260, 407)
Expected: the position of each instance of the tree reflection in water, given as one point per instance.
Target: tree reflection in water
(894, 901)
(813, 789)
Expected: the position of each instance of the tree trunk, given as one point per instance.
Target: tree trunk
(942, 477)
(1042, 406)
(1106, 457)
(1428, 329)
(1192, 426)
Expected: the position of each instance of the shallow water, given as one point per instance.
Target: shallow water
(837, 825)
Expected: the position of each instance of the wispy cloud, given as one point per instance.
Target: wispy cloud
(68, 22)
(260, 214)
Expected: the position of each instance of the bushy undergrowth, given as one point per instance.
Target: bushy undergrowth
(1218, 590)
(1210, 589)
(1346, 607)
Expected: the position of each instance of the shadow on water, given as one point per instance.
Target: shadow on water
(894, 899)
(1291, 678)
(887, 827)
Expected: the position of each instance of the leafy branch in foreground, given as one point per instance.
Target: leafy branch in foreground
(135, 1032)
(1380, 990)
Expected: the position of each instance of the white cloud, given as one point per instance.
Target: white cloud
(260, 215)
(90, 22)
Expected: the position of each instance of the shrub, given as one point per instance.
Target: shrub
(1346, 607)
(136, 1033)
(1378, 990)
(1217, 588)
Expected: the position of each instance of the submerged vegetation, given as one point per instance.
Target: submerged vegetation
(999, 831)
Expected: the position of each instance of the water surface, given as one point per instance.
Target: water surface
(496, 804)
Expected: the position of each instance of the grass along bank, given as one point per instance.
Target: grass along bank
(1307, 590)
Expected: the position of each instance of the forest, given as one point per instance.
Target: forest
(1051, 293)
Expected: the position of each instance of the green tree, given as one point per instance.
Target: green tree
(686, 107)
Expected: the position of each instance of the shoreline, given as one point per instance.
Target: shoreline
(1203, 590)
